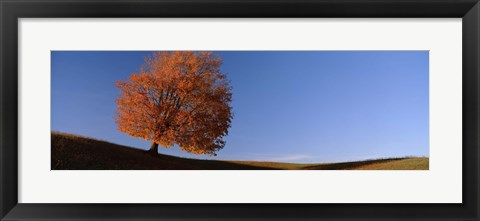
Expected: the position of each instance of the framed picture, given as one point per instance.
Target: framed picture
(318, 110)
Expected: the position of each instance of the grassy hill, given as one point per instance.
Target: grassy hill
(71, 152)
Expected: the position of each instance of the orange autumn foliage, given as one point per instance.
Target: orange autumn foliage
(177, 98)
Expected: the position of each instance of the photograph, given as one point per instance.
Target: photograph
(240, 110)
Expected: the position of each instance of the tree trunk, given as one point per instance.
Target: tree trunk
(153, 149)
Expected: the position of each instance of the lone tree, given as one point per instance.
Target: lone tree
(177, 98)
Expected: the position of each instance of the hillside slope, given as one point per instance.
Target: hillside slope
(71, 152)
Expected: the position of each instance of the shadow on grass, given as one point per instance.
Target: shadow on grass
(349, 165)
(71, 152)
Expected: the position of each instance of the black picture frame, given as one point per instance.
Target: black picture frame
(11, 11)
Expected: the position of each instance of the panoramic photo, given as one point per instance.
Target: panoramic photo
(240, 110)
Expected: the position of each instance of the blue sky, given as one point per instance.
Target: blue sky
(292, 106)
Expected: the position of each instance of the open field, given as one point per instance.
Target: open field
(71, 152)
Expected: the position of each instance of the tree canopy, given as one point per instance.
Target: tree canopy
(177, 98)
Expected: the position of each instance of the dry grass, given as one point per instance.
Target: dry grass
(72, 152)
(419, 163)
